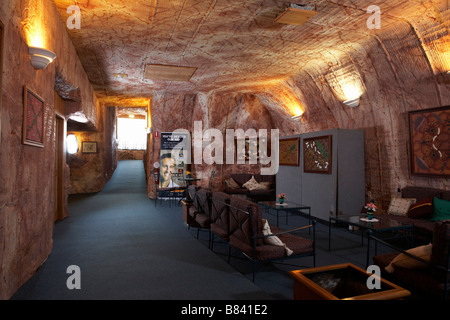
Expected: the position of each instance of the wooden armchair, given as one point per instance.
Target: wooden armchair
(425, 275)
(246, 234)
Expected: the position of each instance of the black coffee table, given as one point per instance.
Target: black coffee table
(380, 223)
(287, 206)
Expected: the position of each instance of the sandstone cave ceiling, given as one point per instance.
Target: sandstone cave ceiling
(230, 44)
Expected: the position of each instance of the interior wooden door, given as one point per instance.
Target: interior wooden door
(60, 158)
(1, 77)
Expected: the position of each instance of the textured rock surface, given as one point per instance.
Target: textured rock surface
(238, 49)
(27, 174)
(251, 73)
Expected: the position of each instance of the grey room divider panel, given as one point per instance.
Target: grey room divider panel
(342, 191)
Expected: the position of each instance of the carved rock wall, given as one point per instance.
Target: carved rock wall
(27, 174)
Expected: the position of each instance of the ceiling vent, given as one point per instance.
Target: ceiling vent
(170, 73)
(297, 14)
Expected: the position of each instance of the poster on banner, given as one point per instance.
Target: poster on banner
(173, 159)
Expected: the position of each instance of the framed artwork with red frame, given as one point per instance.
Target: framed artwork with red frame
(33, 119)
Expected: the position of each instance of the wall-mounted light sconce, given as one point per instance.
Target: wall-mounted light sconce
(297, 117)
(352, 103)
(41, 58)
(72, 144)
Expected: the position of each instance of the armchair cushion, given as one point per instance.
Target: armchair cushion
(441, 245)
(252, 184)
(404, 261)
(400, 206)
(232, 184)
(441, 209)
(421, 210)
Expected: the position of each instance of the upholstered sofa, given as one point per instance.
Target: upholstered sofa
(420, 210)
(238, 184)
(424, 270)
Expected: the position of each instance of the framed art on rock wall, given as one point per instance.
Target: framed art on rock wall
(430, 141)
(33, 119)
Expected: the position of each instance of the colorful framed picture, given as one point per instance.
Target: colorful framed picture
(33, 119)
(89, 147)
(429, 141)
(317, 154)
(289, 152)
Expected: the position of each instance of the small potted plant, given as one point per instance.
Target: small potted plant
(370, 209)
(281, 197)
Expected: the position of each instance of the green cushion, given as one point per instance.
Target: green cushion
(441, 209)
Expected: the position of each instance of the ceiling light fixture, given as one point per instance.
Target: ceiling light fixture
(120, 75)
(41, 58)
(297, 14)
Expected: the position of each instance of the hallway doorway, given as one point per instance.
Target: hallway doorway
(60, 158)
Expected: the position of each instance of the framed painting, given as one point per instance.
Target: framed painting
(289, 152)
(33, 119)
(250, 149)
(317, 154)
(89, 147)
(429, 141)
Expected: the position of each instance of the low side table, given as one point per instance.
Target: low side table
(341, 282)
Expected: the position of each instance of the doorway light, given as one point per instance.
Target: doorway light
(72, 144)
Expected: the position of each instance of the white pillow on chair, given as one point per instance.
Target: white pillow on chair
(273, 240)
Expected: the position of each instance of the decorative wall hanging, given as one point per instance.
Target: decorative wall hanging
(33, 119)
(289, 152)
(317, 154)
(89, 147)
(250, 150)
(430, 141)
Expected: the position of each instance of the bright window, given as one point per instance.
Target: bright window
(132, 134)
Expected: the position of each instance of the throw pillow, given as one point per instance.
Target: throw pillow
(232, 184)
(400, 206)
(441, 209)
(421, 210)
(266, 185)
(404, 261)
(252, 184)
(273, 240)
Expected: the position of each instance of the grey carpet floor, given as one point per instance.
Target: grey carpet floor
(126, 248)
(129, 249)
